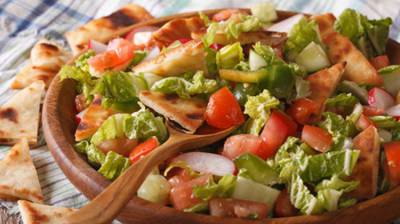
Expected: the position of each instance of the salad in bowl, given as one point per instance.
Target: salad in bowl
(315, 101)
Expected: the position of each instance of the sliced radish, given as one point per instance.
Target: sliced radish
(97, 46)
(207, 163)
(78, 117)
(380, 99)
(285, 25)
(394, 111)
(141, 36)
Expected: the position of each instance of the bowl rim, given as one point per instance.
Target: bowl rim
(90, 182)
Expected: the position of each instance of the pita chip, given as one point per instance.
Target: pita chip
(188, 113)
(105, 28)
(33, 213)
(184, 58)
(46, 59)
(18, 177)
(19, 117)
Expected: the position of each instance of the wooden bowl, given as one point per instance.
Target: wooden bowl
(59, 128)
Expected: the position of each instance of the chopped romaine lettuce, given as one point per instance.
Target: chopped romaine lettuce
(301, 35)
(267, 53)
(186, 88)
(155, 188)
(259, 108)
(224, 188)
(82, 61)
(302, 198)
(229, 56)
(342, 102)
(209, 37)
(94, 155)
(116, 87)
(337, 184)
(329, 199)
(264, 11)
(112, 128)
(143, 125)
(139, 57)
(211, 61)
(387, 122)
(85, 82)
(241, 24)
(338, 127)
(254, 168)
(114, 164)
(370, 36)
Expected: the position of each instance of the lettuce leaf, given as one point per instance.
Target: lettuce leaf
(236, 25)
(224, 188)
(116, 87)
(143, 125)
(186, 88)
(85, 82)
(254, 168)
(267, 53)
(94, 155)
(114, 164)
(370, 36)
(301, 34)
(387, 122)
(337, 184)
(112, 128)
(82, 61)
(259, 108)
(338, 127)
(229, 56)
(342, 102)
(302, 198)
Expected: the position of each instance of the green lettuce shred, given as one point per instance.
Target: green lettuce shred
(114, 164)
(82, 61)
(112, 128)
(223, 189)
(342, 102)
(254, 168)
(229, 56)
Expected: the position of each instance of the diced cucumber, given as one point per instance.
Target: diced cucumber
(155, 188)
(313, 58)
(246, 189)
(256, 61)
(264, 11)
(391, 80)
(243, 76)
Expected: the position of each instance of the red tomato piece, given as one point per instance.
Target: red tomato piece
(364, 122)
(184, 40)
(143, 149)
(229, 207)
(380, 61)
(302, 110)
(380, 99)
(223, 110)
(392, 152)
(119, 51)
(237, 145)
(216, 46)
(278, 127)
(316, 137)
(181, 196)
(372, 111)
(283, 206)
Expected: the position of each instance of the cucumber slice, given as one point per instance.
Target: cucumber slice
(246, 189)
(155, 188)
(391, 80)
(356, 90)
(256, 61)
(243, 76)
(264, 11)
(313, 58)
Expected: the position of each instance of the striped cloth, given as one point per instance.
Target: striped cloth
(23, 22)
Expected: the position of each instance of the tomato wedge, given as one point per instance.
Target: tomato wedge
(181, 195)
(278, 127)
(223, 110)
(143, 149)
(380, 61)
(363, 122)
(302, 110)
(317, 138)
(237, 145)
(283, 206)
(372, 111)
(392, 152)
(119, 51)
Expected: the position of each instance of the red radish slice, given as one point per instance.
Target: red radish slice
(285, 25)
(394, 111)
(97, 46)
(380, 99)
(207, 163)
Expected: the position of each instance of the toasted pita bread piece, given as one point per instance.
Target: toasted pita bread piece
(46, 59)
(367, 167)
(184, 58)
(324, 82)
(18, 177)
(93, 116)
(188, 113)
(325, 23)
(33, 213)
(19, 117)
(177, 29)
(105, 28)
(358, 69)
(265, 37)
